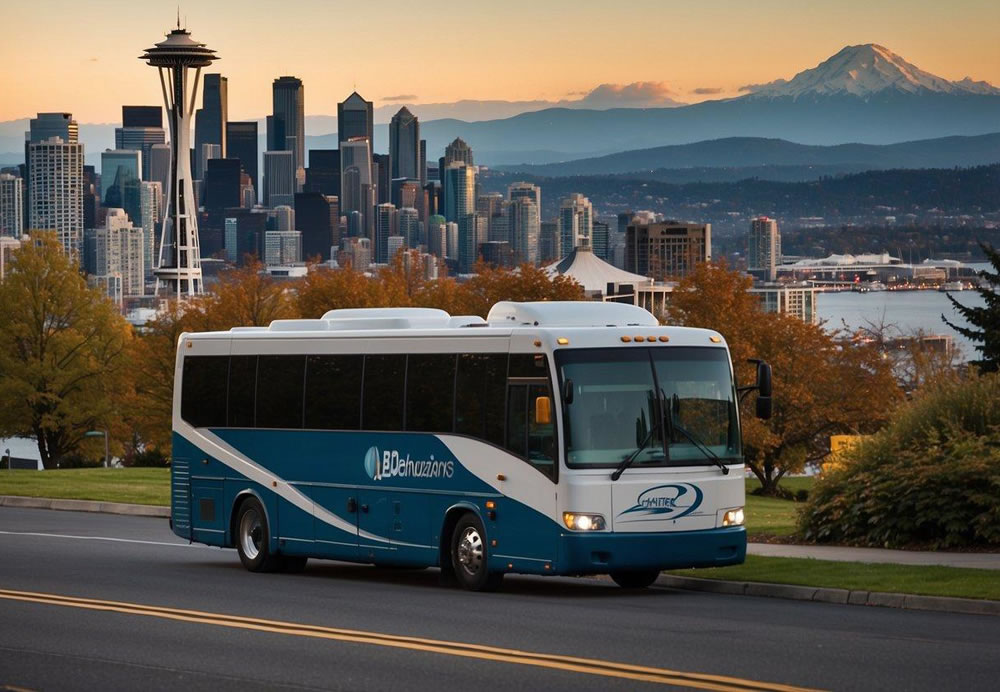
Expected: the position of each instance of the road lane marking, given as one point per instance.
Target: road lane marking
(483, 652)
(102, 538)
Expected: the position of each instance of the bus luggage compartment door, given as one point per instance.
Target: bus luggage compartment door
(374, 516)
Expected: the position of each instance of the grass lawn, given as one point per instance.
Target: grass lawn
(769, 516)
(137, 486)
(929, 581)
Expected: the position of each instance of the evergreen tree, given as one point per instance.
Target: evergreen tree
(986, 318)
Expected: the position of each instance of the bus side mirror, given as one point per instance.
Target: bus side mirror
(543, 410)
(764, 405)
(568, 391)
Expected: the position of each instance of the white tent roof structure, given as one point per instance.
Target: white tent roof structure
(593, 273)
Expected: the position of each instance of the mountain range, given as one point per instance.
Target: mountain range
(863, 94)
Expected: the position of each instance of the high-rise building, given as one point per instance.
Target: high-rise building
(408, 226)
(121, 174)
(460, 208)
(11, 206)
(385, 226)
(279, 178)
(458, 151)
(355, 119)
(437, 239)
(575, 222)
(282, 247)
(451, 241)
(179, 263)
(55, 167)
(356, 184)
(142, 116)
(286, 129)
(423, 162)
(404, 144)
(522, 189)
(395, 244)
(119, 251)
(764, 248)
(493, 207)
(210, 120)
(667, 250)
(600, 241)
(241, 143)
(357, 253)
(7, 248)
(159, 165)
(549, 247)
(222, 185)
(323, 174)
(524, 229)
(151, 194)
(317, 217)
(43, 127)
(282, 218)
(406, 192)
(381, 174)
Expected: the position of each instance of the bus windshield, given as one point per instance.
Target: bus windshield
(614, 397)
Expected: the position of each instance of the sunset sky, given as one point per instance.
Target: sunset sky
(82, 56)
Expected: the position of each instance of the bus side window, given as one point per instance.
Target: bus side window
(333, 392)
(242, 388)
(528, 379)
(385, 380)
(480, 388)
(203, 391)
(430, 392)
(279, 391)
(517, 419)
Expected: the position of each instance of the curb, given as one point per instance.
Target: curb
(967, 606)
(84, 506)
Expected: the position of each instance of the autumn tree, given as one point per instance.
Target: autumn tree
(821, 385)
(243, 297)
(490, 285)
(63, 351)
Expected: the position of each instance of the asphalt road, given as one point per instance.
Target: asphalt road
(112, 602)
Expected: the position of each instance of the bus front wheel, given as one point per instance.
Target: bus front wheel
(252, 538)
(469, 556)
(635, 579)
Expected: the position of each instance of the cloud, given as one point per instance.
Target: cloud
(634, 95)
(401, 97)
(91, 59)
(750, 88)
(707, 91)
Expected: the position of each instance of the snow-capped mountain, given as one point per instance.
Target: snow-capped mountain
(865, 71)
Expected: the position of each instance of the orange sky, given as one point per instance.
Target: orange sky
(82, 56)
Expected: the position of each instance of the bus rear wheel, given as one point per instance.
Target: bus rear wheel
(635, 579)
(469, 556)
(252, 538)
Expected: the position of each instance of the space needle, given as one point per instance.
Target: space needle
(178, 269)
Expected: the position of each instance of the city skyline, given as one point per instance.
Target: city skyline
(708, 60)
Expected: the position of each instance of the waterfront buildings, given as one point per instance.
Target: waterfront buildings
(797, 299)
(764, 248)
(666, 250)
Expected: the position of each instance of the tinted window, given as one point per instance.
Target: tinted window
(430, 383)
(333, 392)
(242, 384)
(528, 365)
(385, 380)
(203, 390)
(279, 391)
(480, 388)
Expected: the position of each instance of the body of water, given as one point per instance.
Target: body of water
(909, 311)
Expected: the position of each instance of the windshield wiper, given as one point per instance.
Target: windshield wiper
(627, 461)
(699, 445)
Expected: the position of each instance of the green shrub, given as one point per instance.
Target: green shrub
(931, 478)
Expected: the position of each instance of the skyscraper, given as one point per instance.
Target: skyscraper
(179, 264)
(385, 226)
(666, 250)
(524, 229)
(138, 137)
(119, 251)
(356, 184)
(404, 144)
(764, 248)
(222, 185)
(42, 127)
(460, 208)
(11, 206)
(600, 242)
(355, 119)
(159, 165)
(323, 174)
(282, 247)
(279, 178)
(287, 126)
(151, 195)
(241, 143)
(576, 216)
(142, 116)
(423, 162)
(381, 167)
(459, 151)
(121, 173)
(210, 120)
(55, 168)
(408, 226)
(317, 217)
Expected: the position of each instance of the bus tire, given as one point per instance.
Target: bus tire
(470, 556)
(635, 578)
(252, 538)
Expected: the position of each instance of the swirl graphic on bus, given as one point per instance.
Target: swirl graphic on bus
(674, 500)
(390, 463)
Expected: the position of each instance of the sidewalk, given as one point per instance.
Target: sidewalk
(897, 557)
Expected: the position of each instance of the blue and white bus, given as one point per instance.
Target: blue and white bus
(550, 438)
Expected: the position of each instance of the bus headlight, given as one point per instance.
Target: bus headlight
(733, 517)
(583, 522)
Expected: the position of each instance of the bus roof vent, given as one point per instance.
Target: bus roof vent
(359, 323)
(570, 314)
(354, 313)
(299, 326)
(246, 330)
(467, 321)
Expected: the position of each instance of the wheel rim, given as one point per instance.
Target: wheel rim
(251, 533)
(470, 551)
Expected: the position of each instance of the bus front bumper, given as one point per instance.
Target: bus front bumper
(600, 553)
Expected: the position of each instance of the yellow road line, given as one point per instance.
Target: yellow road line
(489, 653)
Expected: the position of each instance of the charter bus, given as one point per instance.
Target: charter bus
(552, 438)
